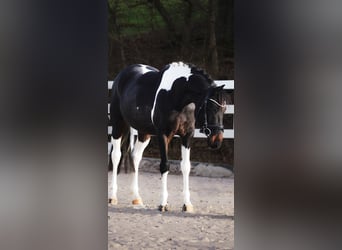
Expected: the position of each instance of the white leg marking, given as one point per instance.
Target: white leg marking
(185, 167)
(131, 138)
(116, 154)
(164, 194)
(137, 153)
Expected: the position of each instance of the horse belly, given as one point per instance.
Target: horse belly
(139, 118)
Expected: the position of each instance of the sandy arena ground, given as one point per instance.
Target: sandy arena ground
(211, 226)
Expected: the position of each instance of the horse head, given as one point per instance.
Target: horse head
(210, 116)
(210, 101)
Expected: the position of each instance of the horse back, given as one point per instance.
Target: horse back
(130, 76)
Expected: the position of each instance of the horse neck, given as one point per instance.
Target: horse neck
(185, 100)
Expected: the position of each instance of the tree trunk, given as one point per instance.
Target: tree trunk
(186, 37)
(224, 25)
(117, 32)
(164, 14)
(212, 57)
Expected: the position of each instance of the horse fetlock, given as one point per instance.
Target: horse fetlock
(113, 201)
(188, 208)
(164, 208)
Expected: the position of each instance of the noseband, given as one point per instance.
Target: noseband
(208, 128)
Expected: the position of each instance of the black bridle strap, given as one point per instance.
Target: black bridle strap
(207, 128)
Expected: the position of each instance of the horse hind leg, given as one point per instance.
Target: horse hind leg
(139, 147)
(115, 155)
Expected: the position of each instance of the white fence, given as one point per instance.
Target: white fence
(228, 132)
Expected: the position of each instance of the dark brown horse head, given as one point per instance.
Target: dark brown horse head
(210, 117)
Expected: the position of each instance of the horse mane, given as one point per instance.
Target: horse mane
(222, 95)
(197, 70)
(194, 70)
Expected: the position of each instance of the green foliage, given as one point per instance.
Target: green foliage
(134, 17)
(159, 31)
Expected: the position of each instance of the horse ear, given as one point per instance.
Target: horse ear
(219, 87)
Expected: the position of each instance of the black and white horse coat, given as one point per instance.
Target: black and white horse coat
(163, 103)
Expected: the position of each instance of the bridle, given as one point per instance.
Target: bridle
(208, 128)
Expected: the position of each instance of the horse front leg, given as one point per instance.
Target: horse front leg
(164, 170)
(185, 168)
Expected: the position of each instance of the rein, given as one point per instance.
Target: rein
(207, 128)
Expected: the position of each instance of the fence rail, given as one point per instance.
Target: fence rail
(228, 132)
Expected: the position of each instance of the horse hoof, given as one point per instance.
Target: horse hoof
(188, 208)
(162, 208)
(137, 202)
(113, 201)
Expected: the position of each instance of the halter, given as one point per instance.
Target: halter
(207, 128)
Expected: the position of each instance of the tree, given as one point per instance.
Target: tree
(114, 28)
(212, 56)
(197, 31)
(186, 36)
(164, 14)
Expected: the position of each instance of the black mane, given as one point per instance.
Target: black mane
(196, 70)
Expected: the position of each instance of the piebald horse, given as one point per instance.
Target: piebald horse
(163, 103)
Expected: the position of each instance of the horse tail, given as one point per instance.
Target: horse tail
(110, 162)
(126, 160)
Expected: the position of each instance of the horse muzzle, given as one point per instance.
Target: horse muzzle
(215, 140)
(214, 134)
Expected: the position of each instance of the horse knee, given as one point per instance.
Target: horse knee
(164, 167)
(185, 163)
